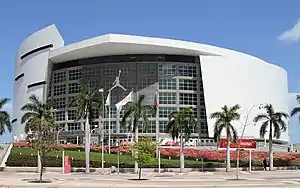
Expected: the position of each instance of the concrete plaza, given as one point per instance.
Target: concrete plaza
(191, 179)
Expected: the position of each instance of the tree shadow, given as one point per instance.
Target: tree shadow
(37, 181)
(137, 179)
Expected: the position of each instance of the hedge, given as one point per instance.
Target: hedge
(31, 161)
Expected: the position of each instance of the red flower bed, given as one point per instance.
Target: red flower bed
(210, 155)
(220, 155)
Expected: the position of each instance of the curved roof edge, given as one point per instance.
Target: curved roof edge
(119, 44)
(46, 35)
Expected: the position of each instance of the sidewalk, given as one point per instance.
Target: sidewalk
(169, 179)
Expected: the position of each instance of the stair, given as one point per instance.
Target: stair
(4, 153)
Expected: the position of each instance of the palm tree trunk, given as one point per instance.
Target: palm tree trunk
(140, 172)
(228, 154)
(41, 169)
(136, 165)
(270, 148)
(39, 162)
(181, 154)
(87, 144)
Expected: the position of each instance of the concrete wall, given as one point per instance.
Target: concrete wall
(35, 69)
(244, 80)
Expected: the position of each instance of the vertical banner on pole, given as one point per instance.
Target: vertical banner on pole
(67, 165)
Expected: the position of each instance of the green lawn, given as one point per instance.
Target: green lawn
(109, 158)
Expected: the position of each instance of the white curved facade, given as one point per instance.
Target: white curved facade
(229, 77)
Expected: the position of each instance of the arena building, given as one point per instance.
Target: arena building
(181, 73)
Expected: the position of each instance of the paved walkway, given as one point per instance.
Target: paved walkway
(163, 180)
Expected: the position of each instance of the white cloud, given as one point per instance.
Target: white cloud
(291, 35)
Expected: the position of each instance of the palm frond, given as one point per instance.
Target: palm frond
(269, 109)
(295, 111)
(263, 129)
(298, 98)
(3, 102)
(261, 117)
(5, 120)
(282, 124)
(216, 115)
(234, 108)
(129, 110)
(280, 115)
(233, 133)
(276, 129)
(140, 100)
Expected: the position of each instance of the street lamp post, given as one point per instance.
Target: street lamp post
(57, 136)
(102, 131)
(96, 127)
(238, 150)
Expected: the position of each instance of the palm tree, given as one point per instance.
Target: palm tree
(4, 117)
(86, 100)
(273, 120)
(39, 127)
(224, 119)
(179, 126)
(296, 110)
(137, 112)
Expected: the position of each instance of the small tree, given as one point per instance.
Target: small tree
(144, 150)
(137, 113)
(179, 126)
(224, 119)
(275, 122)
(85, 101)
(39, 127)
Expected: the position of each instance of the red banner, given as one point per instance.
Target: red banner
(244, 143)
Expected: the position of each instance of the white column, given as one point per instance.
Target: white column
(250, 158)
(63, 161)
(158, 161)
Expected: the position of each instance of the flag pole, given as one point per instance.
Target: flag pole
(109, 122)
(156, 122)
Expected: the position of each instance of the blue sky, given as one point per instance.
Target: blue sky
(267, 29)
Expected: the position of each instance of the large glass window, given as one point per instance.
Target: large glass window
(59, 116)
(74, 74)
(188, 70)
(60, 126)
(167, 69)
(169, 84)
(167, 98)
(188, 98)
(148, 68)
(152, 127)
(163, 126)
(74, 126)
(71, 114)
(164, 112)
(59, 90)
(71, 101)
(59, 77)
(188, 85)
(74, 88)
(59, 103)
